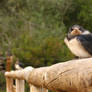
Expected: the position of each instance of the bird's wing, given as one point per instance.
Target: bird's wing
(86, 42)
(21, 65)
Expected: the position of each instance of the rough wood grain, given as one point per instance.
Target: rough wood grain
(71, 76)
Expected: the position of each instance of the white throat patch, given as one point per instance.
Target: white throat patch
(86, 32)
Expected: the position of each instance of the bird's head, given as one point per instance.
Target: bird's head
(17, 62)
(76, 30)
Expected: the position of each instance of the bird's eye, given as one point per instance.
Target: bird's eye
(80, 29)
(71, 29)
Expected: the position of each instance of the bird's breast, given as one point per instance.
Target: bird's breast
(76, 48)
(17, 67)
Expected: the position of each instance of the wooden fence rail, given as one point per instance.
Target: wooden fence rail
(20, 86)
(71, 76)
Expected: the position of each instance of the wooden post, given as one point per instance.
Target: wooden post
(37, 89)
(20, 85)
(9, 84)
(9, 81)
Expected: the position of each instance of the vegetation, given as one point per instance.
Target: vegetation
(34, 30)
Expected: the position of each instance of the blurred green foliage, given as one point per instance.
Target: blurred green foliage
(34, 30)
(2, 82)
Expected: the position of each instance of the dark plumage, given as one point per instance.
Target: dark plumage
(79, 41)
(86, 42)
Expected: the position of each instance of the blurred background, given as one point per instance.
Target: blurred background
(34, 30)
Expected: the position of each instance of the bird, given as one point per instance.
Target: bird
(79, 41)
(18, 65)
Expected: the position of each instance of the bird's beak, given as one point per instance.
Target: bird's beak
(73, 33)
(76, 32)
